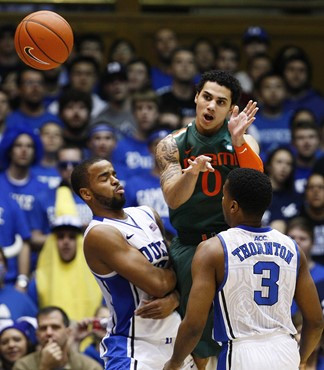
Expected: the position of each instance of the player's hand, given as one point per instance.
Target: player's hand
(170, 366)
(158, 308)
(239, 122)
(199, 164)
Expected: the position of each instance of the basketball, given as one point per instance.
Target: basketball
(44, 40)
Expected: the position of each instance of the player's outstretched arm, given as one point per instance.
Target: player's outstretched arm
(308, 302)
(106, 251)
(204, 265)
(178, 185)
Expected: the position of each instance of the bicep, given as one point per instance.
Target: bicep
(107, 251)
(306, 294)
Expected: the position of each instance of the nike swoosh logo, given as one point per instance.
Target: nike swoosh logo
(244, 150)
(129, 236)
(27, 50)
(188, 151)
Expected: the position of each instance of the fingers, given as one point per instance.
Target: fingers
(235, 111)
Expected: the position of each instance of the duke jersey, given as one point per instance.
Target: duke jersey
(203, 211)
(123, 298)
(255, 298)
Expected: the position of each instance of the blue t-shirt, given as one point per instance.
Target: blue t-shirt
(133, 157)
(146, 190)
(47, 175)
(271, 132)
(12, 221)
(18, 119)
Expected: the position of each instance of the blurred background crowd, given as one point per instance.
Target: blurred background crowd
(117, 105)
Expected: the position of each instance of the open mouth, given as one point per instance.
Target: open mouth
(208, 117)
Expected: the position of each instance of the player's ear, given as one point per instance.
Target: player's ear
(234, 206)
(196, 97)
(85, 194)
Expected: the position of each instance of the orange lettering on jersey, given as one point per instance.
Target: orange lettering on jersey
(218, 159)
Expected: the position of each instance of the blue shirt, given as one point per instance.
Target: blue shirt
(146, 190)
(132, 156)
(12, 221)
(47, 175)
(14, 304)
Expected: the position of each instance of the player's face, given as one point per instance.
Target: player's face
(213, 106)
(13, 345)
(22, 152)
(105, 186)
(51, 327)
(67, 244)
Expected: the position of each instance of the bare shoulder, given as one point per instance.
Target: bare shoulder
(167, 152)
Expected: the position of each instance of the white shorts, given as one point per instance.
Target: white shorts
(266, 352)
(147, 356)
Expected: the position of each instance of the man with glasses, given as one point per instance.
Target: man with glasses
(31, 111)
(69, 156)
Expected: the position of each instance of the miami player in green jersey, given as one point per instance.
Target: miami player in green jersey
(194, 163)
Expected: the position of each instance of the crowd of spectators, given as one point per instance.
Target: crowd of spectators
(118, 106)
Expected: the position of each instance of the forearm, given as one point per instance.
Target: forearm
(24, 260)
(247, 157)
(187, 339)
(163, 283)
(178, 191)
(310, 337)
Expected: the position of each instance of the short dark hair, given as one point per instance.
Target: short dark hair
(304, 125)
(148, 95)
(223, 78)
(21, 71)
(80, 175)
(84, 59)
(251, 189)
(93, 37)
(73, 95)
(303, 224)
(49, 309)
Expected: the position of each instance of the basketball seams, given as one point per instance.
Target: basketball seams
(29, 34)
(20, 47)
(47, 26)
(49, 34)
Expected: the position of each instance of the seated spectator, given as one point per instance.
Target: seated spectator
(205, 55)
(286, 201)
(305, 143)
(14, 304)
(56, 349)
(181, 94)
(15, 343)
(271, 127)
(313, 210)
(147, 190)
(301, 231)
(165, 42)
(51, 135)
(4, 111)
(31, 112)
(121, 51)
(61, 263)
(102, 141)
(115, 89)
(131, 155)
(95, 328)
(138, 72)
(170, 118)
(91, 45)
(297, 73)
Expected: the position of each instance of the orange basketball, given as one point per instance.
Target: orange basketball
(43, 40)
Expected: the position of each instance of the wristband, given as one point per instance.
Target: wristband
(248, 158)
(22, 281)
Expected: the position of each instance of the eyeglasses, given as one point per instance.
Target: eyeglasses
(67, 164)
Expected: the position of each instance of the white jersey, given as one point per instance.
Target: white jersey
(261, 267)
(123, 298)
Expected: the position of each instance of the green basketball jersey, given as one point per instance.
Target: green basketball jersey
(203, 211)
